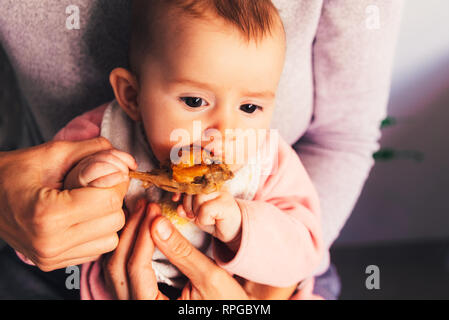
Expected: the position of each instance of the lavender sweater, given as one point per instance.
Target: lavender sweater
(332, 96)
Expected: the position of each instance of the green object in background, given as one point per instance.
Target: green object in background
(387, 122)
(386, 154)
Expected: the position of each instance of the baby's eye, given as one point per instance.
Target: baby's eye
(193, 102)
(249, 108)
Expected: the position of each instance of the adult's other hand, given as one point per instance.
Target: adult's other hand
(55, 228)
(129, 273)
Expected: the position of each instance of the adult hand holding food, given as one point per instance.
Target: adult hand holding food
(52, 227)
(129, 272)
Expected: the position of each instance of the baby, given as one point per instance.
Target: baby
(204, 69)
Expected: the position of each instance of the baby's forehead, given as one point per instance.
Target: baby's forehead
(186, 27)
(160, 24)
(253, 19)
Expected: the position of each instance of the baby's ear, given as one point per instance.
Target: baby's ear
(126, 90)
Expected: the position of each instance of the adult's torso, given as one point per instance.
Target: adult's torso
(63, 73)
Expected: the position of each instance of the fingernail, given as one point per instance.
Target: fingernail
(164, 229)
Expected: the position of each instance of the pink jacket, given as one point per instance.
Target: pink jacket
(281, 229)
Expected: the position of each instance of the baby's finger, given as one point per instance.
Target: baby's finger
(181, 212)
(126, 158)
(176, 197)
(200, 199)
(96, 170)
(207, 214)
(109, 180)
(187, 203)
(114, 157)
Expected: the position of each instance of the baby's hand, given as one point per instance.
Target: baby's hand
(104, 169)
(217, 213)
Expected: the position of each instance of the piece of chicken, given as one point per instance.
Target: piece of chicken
(187, 177)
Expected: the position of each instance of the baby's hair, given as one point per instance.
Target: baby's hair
(255, 19)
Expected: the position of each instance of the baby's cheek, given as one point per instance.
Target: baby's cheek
(159, 140)
(237, 153)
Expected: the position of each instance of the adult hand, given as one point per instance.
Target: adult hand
(207, 280)
(129, 273)
(55, 228)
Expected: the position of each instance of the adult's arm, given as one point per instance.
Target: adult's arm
(352, 61)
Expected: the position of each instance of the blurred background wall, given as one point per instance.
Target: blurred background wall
(10, 106)
(403, 199)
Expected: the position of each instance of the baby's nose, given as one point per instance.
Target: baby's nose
(220, 134)
(223, 118)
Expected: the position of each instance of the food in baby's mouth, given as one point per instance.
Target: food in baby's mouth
(190, 178)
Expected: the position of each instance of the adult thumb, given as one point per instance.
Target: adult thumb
(78, 150)
(181, 253)
(61, 156)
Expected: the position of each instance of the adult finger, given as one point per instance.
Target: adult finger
(88, 231)
(65, 264)
(114, 157)
(93, 248)
(81, 149)
(61, 156)
(115, 265)
(191, 262)
(142, 279)
(69, 207)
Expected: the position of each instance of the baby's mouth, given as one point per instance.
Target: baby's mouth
(188, 176)
(198, 155)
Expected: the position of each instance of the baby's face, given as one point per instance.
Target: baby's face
(209, 74)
